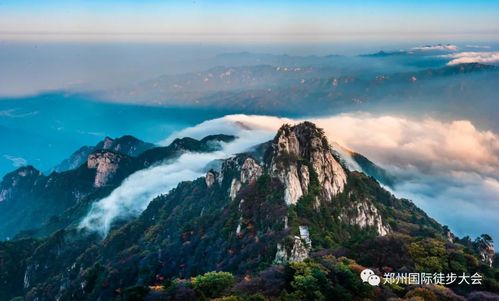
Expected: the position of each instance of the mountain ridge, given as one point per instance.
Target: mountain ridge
(247, 218)
(28, 207)
(314, 89)
(126, 144)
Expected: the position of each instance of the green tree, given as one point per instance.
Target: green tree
(308, 281)
(430, 255)
(213, 284)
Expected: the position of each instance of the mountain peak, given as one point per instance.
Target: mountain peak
(20, 178)
(127, 145)
(27, 171)
(304, 137)
(300, 152)
(106, 164)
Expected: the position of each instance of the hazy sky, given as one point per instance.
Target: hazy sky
(96, 44)
(247, 21)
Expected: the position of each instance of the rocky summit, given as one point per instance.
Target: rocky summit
(297, 148)
(286, 220)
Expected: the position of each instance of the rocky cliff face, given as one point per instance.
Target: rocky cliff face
(301, 158)
(246, 172)
(296, 251)
(365, 215)
(106, 164)
(15, 182)
(488, 254)
(250, 171)
(297, 149)
(210, 178)
(127, 145)
(485, 248)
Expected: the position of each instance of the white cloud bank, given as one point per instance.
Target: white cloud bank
(139, 189)
(485, 57)
(450, 169)
(478, 46)
(438, 47)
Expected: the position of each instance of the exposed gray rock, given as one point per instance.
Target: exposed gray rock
(488, 256)
(240, 224)
(297, 252)
(305, 178)
(450, 236)
(293, 187)
(210, 178)
(241, 172)
(305, 142)
(305, 236)
(127, 145)
(250, 171)
(485, 248)
(365, 215)
(281, 256)
(106, 164)
(26, 279)
(234, 188)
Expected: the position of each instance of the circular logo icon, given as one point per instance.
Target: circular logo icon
(374, 280)
(368, 276)
(364, 275)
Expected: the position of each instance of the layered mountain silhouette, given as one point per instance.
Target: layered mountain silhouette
(127, 145)
(29, 199)
(285, 221)
(292, 89)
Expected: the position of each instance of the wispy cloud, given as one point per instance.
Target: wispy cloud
(139, 189)
(11, 113)
(473, 57)
(16, 161)
(438, 47)
(478, 46)
(449, 169)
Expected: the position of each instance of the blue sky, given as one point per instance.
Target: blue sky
(284, 21)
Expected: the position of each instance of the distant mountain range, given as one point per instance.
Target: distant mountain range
(295, 91)
(425, 51)
(44, 129)
(286, 220)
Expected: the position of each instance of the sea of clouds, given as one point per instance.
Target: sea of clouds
(449, 169)
(483, 57)
(139, 189)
